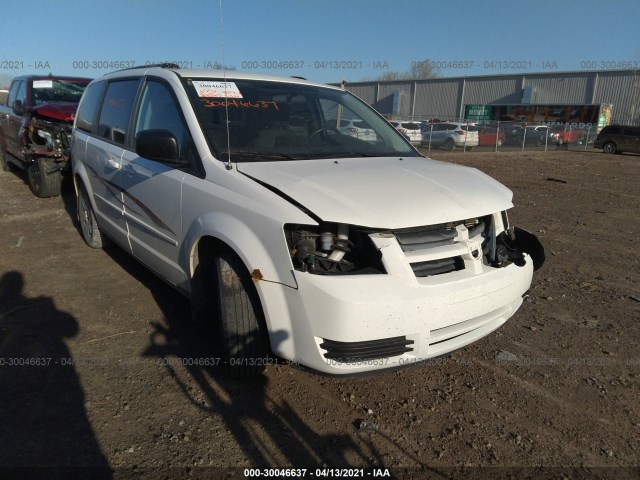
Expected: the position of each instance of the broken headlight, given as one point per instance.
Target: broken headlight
(333, 249)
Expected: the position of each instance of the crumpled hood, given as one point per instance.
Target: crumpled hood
(384, 192)
(62, 111)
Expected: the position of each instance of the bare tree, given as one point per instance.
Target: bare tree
(419, 70)
(5, 81)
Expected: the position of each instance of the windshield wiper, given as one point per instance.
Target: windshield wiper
(259, 155)
(345, 155)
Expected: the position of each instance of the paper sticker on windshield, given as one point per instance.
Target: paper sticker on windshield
(43, 84)
(217, 89)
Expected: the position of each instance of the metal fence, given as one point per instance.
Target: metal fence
(440, 133)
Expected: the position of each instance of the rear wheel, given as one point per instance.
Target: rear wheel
(609, 147)
(88, 223)
(450, 145)
(42, 183)
(242, 330)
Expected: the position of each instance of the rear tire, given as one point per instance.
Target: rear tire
(88, 222)
(450, 145)
(242, 330)
(609, 147)
(44, 184)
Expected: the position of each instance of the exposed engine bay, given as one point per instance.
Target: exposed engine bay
(44, 135)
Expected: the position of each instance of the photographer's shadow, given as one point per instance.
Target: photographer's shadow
(43, 422)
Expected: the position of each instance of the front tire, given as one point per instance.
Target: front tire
(88, 222)
(42, 183)
(241, 325)
(609, 147)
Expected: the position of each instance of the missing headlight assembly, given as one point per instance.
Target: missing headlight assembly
(333, 249)
(340, 249)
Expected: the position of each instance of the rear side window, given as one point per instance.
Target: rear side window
(89, 107)
(116, 110)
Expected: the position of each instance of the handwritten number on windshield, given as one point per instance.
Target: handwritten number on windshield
(208, 103)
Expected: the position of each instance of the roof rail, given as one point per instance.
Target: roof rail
(153, 65)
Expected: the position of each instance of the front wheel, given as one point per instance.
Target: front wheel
(44, 180)
(241, 324)
(609, 147)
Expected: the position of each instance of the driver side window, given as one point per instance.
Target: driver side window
(159, 111)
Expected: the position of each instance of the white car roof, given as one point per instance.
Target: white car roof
(203, 73)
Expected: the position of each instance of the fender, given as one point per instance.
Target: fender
(273, 263)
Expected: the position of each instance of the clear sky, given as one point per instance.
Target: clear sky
(323, 40)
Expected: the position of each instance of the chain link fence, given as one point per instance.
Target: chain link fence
(460, 134)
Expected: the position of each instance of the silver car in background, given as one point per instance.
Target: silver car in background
(450, 135)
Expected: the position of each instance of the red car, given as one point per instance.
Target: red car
(487, 136)
(561, 134)
(35, 128)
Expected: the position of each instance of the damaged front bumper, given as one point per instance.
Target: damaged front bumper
(41, 137)
(350, 324)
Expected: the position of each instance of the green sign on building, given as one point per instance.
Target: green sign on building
(477, 113)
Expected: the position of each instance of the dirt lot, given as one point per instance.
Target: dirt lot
(113, 380)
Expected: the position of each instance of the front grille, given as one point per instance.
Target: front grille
(439, 242)
(367, 350)
(437, 267)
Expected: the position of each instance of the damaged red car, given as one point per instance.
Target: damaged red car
(35, 128)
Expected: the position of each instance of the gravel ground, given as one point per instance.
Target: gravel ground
(112, 385)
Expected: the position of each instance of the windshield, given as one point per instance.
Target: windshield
(51, 90)
(270, 120)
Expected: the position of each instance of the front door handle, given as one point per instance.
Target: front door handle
(114, 163)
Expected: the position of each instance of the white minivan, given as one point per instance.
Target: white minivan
(300, 242)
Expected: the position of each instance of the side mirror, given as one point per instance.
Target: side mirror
(160, 145)
(18, 108)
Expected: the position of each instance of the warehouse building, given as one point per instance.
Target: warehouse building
(446, 97)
